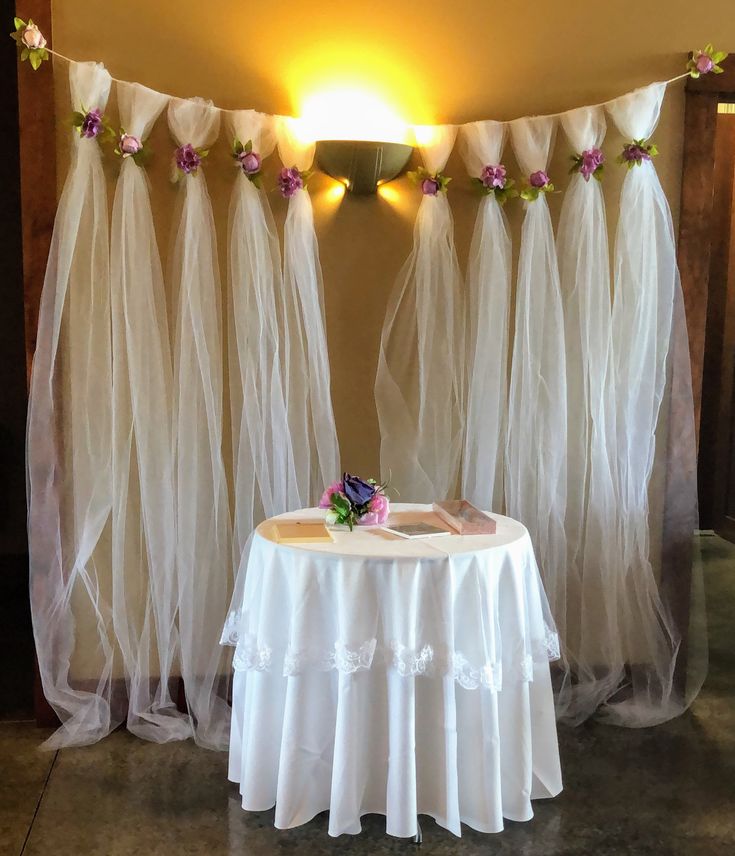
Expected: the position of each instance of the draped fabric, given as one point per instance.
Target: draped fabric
(263, 463)
(419, 386)
(306, 360)
(69, 447)
(145, 592)
(203, 518)
(593, 544)
(537, 423)
(488, 310)
(642, 632)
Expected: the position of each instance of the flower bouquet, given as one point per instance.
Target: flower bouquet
(353, 500)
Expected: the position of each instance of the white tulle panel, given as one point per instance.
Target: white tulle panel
(419, 391)
(594, 565)
(145, 592)
(488, 308)
(203, 519)
(537, 419)
(646, 632)
(69, 448)
(264, 472)
(306, 359)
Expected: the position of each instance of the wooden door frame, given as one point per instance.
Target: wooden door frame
(37, 123)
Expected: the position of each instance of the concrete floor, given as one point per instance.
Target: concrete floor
(665, 790)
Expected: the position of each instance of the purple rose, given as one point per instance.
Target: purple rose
(92, 124)
(290, 182)
(188, 159)
(704, 63)
(591, 161)
(493, 176)
(129, 145)
(538, 179)
(634, 152)
(249, 162)
(430, 187)
(358, 492)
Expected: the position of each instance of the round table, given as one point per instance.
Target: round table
(383, 675)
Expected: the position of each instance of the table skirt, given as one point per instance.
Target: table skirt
(377, 742)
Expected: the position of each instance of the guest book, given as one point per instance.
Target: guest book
(416, 530)
(294, 532)
(464, 518)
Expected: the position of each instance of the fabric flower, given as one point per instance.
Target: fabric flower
(326, 500)
(637, 152)
(32, 37)
(128, 145)
(589, 163)
(430, 187)
(706, 62)
(430, 184)
(378, 511)
(538, 179)
(92, 124)
(290, 181)
(493, 176)
(249, 162)
(188, 159)
(357, 490)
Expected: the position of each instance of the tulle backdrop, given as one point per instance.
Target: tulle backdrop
(100, 682)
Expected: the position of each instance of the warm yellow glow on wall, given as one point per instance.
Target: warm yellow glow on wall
(348, 113)
(349, 91)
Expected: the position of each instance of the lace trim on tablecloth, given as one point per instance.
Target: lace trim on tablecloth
(405, 661)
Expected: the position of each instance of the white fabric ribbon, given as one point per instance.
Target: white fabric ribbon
(145, 594)
(307, 376)
(69, 445)
(419, 386)
(203, 518)
(537, 424)
(264, 472)
(488, 310)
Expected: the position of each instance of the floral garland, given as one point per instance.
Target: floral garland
(636, 152)
(538, 183)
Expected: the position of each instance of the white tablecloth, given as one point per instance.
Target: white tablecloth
(401, 677)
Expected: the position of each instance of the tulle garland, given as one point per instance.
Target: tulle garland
(79, 490)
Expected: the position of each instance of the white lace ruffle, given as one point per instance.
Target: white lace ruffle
(230, 633)
(548, 647)
(405, 661)
(341, 658)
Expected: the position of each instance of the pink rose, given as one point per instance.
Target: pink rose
(129, 145)
(704, 63)
(378, 513)
(538, 179)
(33, 38)
(326, 500)
(250, 162)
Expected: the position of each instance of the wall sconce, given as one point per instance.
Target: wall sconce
(362, 165)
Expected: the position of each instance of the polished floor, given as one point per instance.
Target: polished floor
(659, 791)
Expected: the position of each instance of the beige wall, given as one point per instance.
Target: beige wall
(436, 62)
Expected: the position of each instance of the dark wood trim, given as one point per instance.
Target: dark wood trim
(37, 120)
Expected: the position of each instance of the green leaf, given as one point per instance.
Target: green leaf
(203, 153)
(20, 24)
(35, 59)
(717, 70)
(708, 48)
(248, 146)
(24, 54)
(719, 56)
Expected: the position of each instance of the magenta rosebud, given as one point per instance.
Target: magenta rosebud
(290, 182)
(493, 176)
(250, 162)
(430, 187)
(92, 124)
(538, 179)
(188, 159)
(704, 63)
(591, 160)
(129, 145)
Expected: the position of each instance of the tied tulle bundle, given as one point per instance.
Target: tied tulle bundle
(353, 500)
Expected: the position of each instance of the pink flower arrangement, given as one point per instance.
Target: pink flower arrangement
(290, 181)
(494, 181)
(353, 500)
(30, 41)
(247, 160)
(538, 182)
(589, 164)
(636, 153)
